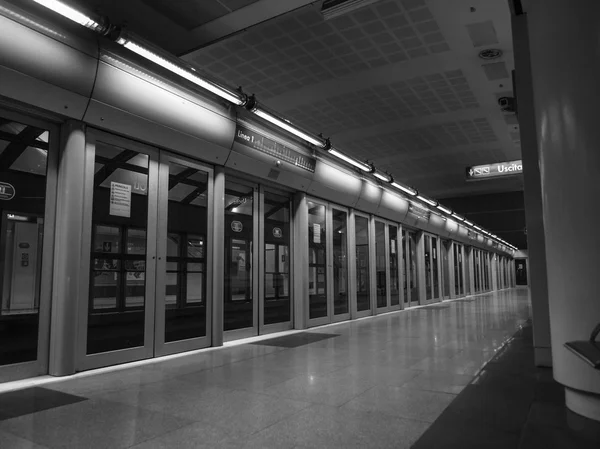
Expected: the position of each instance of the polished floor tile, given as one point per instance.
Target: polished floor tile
(402, 402)
(32, 400)
(322, 426)
(372, 383)
(91, 424)
(9, 441)
(296, 340)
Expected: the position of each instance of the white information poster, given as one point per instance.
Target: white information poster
(316, 233)
(120, 199)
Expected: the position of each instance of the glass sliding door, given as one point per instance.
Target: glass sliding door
(328, 299)
(28, 171)
(435, 268)
(240, 313)
(184, 256)
(394, 266)
(275, 291)
(432, 282)
(445, 259)
(459, 288)
(381, 265)
(428, 268)
(363, 272)
(317, 261)
(339, 238)
(118, 324)
(409, 263)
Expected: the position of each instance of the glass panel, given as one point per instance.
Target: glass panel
(363, 290)
(394, 275)
(405, 263)
(414, 286)
(317, 261)
(445, 268)
(340, 262)
(22, 206)
(380, 264)
(434, 265)
(116, 312)
(456, 271)
(460, 271)
(428, 289)
(185, 289)
(239, 243)
(277, 305)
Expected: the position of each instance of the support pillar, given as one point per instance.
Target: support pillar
(218, 268)
(565, 64)
(68, 249)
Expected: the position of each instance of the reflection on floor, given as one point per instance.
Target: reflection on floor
(378, 382)
(512, 404)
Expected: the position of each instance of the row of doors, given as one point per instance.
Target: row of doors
(150, 275)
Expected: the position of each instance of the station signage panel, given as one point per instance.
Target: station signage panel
(497, 170)
(266, 145)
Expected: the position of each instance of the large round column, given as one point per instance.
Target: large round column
(565, 61)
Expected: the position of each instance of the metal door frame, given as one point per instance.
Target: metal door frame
(161, 347)
(40, 365)
(371, 252)
(236, 334)
(412, 302)
(287, 325)
(86, 361)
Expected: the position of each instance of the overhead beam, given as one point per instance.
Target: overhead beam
(238, 21)
(14, 149)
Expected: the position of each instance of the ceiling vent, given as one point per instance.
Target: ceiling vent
(335, 8)
(490, 53)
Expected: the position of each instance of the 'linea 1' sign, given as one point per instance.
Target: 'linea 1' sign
(494, 170)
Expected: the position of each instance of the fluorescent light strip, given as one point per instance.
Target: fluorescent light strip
(288, 127)
(184, 73)
(408, 190)
(385, 178)
(426, 200)
(458, 217)
(444, 209)
(357, 164)
(468, 223)
(69, 12)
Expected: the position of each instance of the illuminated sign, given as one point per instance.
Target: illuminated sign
(7, 191)
(265, 145)
(497, 170)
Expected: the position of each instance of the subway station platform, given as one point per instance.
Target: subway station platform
(376, 382)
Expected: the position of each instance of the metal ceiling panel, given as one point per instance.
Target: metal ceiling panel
(369, 198)
(482, 33)
(392, 206)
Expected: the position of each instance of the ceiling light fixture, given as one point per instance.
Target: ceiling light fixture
(176, 66)
(72, 14)
(405, 189)
(458, 217)
(444, 209)
(468, 223)
(361, 165)
(253, 106)
(383, 176)
(427, 200)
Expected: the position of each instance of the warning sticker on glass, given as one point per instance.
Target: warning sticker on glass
(120, 199)
(316, 233)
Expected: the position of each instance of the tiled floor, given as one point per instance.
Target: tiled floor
(378, 382)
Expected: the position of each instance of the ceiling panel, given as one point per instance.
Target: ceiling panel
(420, 96)
(300, 48)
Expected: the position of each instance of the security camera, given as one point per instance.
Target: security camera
(507, 104)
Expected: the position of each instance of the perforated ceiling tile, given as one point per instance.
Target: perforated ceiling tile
(371, 37)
